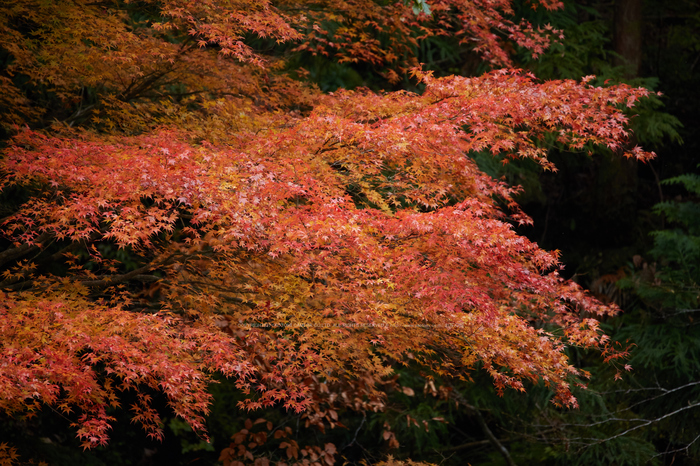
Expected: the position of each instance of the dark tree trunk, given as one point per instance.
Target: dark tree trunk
(628, 36)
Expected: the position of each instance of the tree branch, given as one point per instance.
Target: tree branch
(647, 422)
(492, 438)
(15, 253)
(114, 279)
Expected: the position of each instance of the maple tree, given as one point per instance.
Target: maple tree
(183, 207)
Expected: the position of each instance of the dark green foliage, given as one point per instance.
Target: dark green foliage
(671, 283)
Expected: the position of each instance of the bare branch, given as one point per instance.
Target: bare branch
(647, 422)
(685, 448)
(482, 423)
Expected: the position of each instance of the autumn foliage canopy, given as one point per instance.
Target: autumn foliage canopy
(181, 205)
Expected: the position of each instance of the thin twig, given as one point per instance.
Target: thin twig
(647, 422)
(357, 431)
(492, 438)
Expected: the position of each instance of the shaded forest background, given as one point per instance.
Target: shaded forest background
(629, 232)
